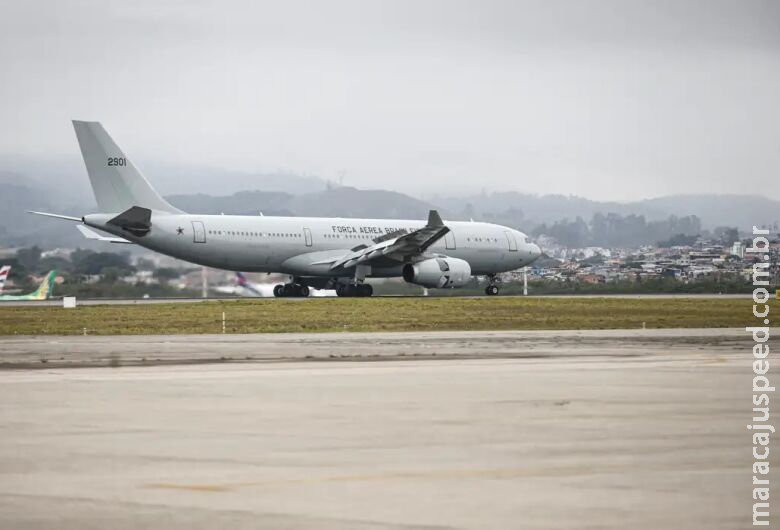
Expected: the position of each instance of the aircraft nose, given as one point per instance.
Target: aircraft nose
(535, 251)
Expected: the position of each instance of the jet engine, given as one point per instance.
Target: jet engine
(438, 272)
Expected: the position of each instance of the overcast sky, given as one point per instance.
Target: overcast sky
(605, 99)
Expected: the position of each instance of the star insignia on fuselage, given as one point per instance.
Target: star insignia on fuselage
(179, 231)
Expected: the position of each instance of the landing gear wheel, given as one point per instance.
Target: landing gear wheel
(341, 290)
(491, 290)
(365, 289)
(278, 290)
(288, 290)
(303, 291)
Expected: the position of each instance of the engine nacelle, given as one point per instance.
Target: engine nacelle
(438, 272)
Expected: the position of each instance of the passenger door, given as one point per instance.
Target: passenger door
(198, 232)
(510, 238)
(307, 236)
(449, 241)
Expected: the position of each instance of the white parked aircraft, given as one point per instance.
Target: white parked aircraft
(320, 253)
(243, 287)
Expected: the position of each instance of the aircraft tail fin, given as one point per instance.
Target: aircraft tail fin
(46, 288)
(116, 182)
(4, 270)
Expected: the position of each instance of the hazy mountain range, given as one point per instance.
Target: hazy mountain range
(289, 194)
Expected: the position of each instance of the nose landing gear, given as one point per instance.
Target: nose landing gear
(492, 287)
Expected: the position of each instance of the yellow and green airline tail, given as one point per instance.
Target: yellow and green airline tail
(43, 292)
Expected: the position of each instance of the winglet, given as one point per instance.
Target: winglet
(434, 219)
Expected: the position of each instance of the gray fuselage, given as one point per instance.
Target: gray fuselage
(294, 245)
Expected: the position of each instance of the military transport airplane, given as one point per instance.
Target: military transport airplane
(43, 292)
(316, 252)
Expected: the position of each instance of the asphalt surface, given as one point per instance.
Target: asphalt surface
(134, 301)
(41, 352)
(543, 430)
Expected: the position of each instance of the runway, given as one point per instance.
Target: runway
(543, 430)
(136, 301)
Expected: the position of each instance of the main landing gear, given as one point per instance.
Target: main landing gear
(492, 287)
(289, 290)
(351, 289)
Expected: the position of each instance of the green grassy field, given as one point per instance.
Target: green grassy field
(379, 314)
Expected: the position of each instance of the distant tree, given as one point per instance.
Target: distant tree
(79, 255)
(615, 230)
(54, 262)
(110, 274)
(89, 263)
(144, 264)
(569, 233)
(29, 258)
(165, 274)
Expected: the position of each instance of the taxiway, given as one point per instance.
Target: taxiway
(543, 430)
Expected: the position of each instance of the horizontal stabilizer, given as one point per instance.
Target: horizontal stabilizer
(56, 216)
(91, 234)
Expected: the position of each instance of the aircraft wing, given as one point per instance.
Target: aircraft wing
(91, 234)
(397, 246)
